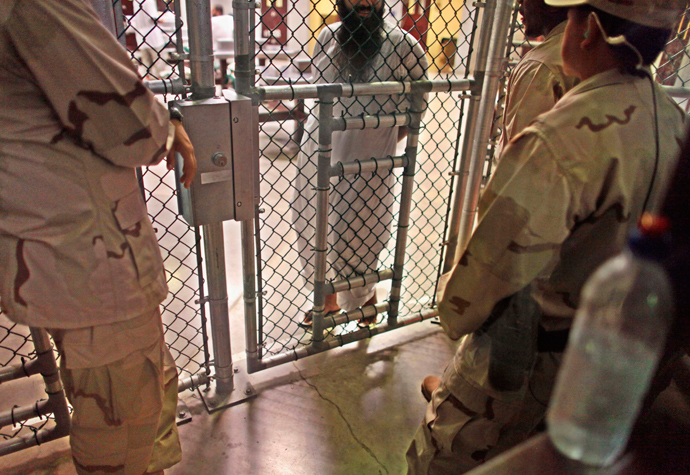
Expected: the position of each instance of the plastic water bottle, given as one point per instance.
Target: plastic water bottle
(614, 347)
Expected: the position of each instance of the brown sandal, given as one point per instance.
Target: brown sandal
(307, 322)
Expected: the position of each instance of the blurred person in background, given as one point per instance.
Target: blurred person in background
(362, 47)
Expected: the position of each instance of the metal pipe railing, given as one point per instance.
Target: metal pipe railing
(26, 369)
(192, 382)
(214, 251)
(245, 51)
(166, 86)
(341, 340)
(677, 91)
(200, 49)
(323, 184)
(358, 281)
(55, 404)
(371, 121)
(368, 166)
(312, 91)
(249, 231)
(463, 171)
(417, 107)
(203, 87)
(487, 101)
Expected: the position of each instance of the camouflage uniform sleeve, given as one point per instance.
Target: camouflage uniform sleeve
(89, 81)
(526, 213)
(532, 91)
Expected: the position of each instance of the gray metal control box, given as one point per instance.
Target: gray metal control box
(222, 134)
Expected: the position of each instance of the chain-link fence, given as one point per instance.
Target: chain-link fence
(286, 34)
(364, 208)
(151, 30)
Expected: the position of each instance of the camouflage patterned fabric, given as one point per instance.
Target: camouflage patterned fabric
(124, 410)
(535, 85)
(463, 428)
(75, 241)
(562, 200)
(78, 252)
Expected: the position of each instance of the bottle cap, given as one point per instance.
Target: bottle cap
(651, 239)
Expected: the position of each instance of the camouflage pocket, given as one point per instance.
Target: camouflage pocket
(130, 213)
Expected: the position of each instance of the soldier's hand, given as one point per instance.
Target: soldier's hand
(183, 146)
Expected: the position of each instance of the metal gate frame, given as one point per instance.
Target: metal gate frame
(466, 182)
(483, 88)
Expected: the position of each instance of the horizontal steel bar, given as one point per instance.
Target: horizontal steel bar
(166, 86)
(367, 311)
(373, 88)
(371, 122)
(15, 444)
(192, 382)
(313, 91)
(359, 281)
(22, 413)
(677, 91)
(12, 372)
(368, 166)
(342, 340)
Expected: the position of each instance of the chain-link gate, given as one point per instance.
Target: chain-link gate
(280, 40)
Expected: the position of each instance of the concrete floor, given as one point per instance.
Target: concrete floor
(353, 410)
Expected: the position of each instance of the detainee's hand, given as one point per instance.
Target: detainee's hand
(183, 146)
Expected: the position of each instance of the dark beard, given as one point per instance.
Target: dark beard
(360, 40)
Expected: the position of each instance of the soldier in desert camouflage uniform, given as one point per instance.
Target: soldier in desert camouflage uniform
(79, 255)
(537, 82)
(564, 196)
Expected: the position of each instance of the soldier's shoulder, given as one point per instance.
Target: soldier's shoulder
(6, 9)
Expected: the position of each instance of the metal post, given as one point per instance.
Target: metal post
(243, 18)
(214, 250)
(200, 48)
(249, 286)
(323, 183)
(56, 403)
(494, 71)
(203, 87)
(416, 109)
(119, 22)
(454, 248)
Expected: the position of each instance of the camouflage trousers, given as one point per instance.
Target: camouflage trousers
(124, 413)
(464, 428)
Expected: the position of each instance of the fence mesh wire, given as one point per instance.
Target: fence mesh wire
(150, 36)
(358, 226)
(448, 40)
(283, 56)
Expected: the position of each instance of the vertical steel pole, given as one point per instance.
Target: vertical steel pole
(487, 102)
(214, 251)
(51, 377)
(323, 183)
(417, 106)
(203, 87)
(200, 48)
(453, 248)
(243, 18)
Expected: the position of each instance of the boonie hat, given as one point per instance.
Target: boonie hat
(654, 13)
